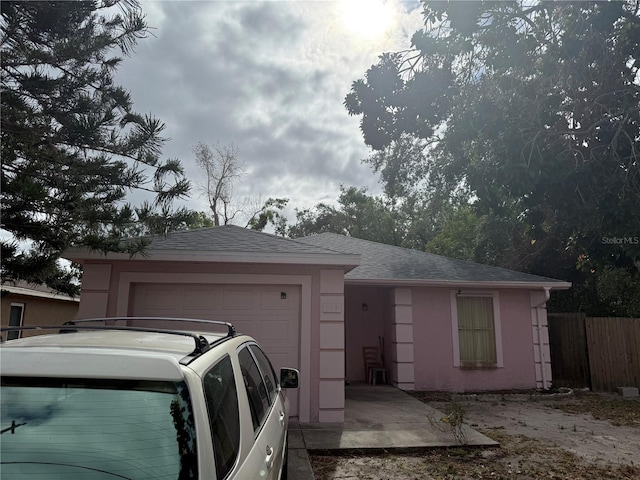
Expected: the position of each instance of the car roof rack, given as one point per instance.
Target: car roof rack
(231, 331)
(201, 343)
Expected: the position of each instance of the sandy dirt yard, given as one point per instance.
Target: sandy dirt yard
(582, 436)
(594, 440)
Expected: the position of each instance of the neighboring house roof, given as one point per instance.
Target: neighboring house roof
(389, 264)
(34, 290)
(227, 243)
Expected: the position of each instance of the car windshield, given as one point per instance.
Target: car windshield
(96, 429)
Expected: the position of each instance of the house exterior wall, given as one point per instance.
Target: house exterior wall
(38, 311)
(432, 348)
(337, 321)
(107, 287)
(434, 352)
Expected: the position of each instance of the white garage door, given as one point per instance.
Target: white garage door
(269, 313)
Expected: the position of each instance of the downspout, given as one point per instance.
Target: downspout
(545, 382)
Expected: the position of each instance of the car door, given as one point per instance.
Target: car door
(278, 404)
(268, 415)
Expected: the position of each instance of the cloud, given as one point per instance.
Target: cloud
(269, 77)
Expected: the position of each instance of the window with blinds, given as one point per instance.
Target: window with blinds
(476, 332)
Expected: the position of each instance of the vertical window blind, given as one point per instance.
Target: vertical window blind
(476, 331)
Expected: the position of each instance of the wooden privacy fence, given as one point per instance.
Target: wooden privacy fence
(568, 348)
(600, 353)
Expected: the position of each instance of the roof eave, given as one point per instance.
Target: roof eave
(36, 293)
(459, 283)
(348, 261)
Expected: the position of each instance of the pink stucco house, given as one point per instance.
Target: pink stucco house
(314, 302)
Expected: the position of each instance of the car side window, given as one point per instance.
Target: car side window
(224, 417)
(256, 389)
(268, 373)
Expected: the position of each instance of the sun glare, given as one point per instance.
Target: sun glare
(367, 18)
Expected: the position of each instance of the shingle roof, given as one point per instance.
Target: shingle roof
(230, 238)
(377, 262)
(389, 263)
(225, 244)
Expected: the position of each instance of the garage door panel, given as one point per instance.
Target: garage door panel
(158, 299)
(244, 327)
(275, 299)
(238, 298)
(279, 359)
(195, 327)
(277, 330)
(201, 298)
(269, 313)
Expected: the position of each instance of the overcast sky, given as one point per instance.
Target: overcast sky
(269, 77)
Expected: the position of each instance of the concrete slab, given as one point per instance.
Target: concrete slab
(299, 466)
(295, 435)
(628, 391)
(382, 417)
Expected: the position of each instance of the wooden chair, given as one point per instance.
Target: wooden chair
(373, 365)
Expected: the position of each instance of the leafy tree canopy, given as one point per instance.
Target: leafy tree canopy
(72, 146)
(270, 213)
(151, 221)
(357, 214)
(408, 222)
(533, 109)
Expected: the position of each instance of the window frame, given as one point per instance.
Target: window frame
(497, 334)
(238, 446)
(266, 409)
(253, 347)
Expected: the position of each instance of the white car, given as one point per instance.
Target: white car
(101, 401)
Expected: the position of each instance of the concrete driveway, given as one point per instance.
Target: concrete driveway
(377, 418)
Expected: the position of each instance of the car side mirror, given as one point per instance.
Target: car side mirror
(289, 377)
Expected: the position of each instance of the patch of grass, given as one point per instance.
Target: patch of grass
(616, 410)
(518, 458)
